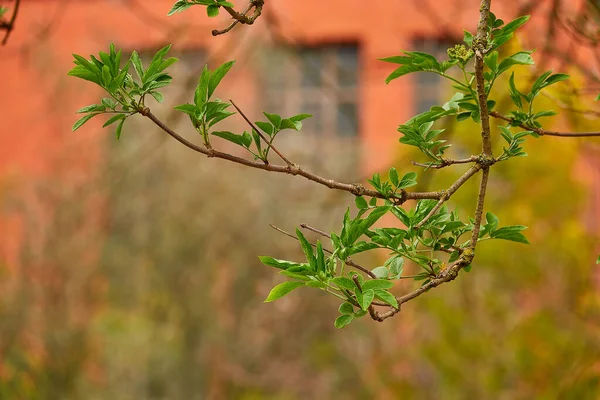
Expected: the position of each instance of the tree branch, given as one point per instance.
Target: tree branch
(354, 188)
(487, 158)
(242, 17)
(9, 26)
(543, 132)
(451, 190)
(447, 162)
(267, 142)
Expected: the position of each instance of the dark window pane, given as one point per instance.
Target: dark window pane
(347, 119)
(311, 67)
(347, 65)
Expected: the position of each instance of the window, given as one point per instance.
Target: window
(321, 80)
(429, 89)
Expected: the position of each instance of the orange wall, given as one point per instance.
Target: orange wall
(37, 99)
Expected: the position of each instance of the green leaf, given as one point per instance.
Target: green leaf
(295, 275)
(515, 95)
(344, 283)
(82, 121)
(365, 298)
(217, 75)
(468, 38)
(386, 297)
(274, 119)
(520, 58)
(598, 259)
(491, 60)
(342, 321)
(512, 233)
(114, 119)
(307, 248)
(408, 180)
(598, 97)
(188, 109)
(492, 221)
(377, 284)
(300, 117)
(212, 10)
(91, 108)
(394, 176)
(396, 266)
(119, 128)
(179, 6)
(83, 73)
(157, 96)
(381, 272)
(346, 308)
(357, 229)
(361, 203)
(200, 95)
(514, 25)
(242, 140)
(321, 266)
(281, 290)
(316, 284)
(281, 264)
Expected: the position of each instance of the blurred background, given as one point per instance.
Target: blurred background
(129, 269)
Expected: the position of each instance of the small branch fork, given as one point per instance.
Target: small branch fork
(262, 136)
(9, 26)
(243, 17)
(543, 132)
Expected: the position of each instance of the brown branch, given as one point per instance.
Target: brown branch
(543, 132)
(354, 188)
(267, 142)
(449, 274)
(479, 208)
(479, 46)
(315, 230)
(487, 158)
(9, 26)
(447, 162)
(348, 260)
(451, 190)
(242, 17)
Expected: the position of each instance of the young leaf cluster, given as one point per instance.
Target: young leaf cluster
(212, 6)
(431, 245)
(274, 124)
(127, 95)
(205, 113)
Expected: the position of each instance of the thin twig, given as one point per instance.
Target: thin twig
(354, 188)
(242, 17)
(315, 230)
(348, 260)
(268, 143)
(9, 26)
(479, 209)
(446, 162)
(451, 190)
(543, 132)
